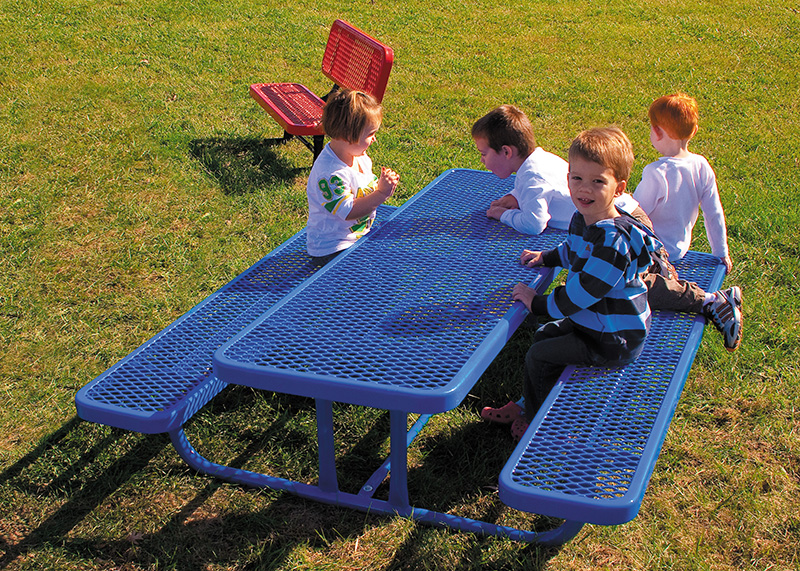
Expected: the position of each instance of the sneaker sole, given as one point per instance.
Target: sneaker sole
(736, 298)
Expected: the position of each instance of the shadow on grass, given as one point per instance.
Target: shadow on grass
(243, 164)
(197, 536)
(90, 494)
(462, 479)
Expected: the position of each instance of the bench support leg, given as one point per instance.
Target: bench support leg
(380, 474)
(318, 141)
(315, 145)
(398, 483)
(236, 475)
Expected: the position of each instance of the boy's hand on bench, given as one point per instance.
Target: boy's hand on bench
(531, 258)
(523, 293)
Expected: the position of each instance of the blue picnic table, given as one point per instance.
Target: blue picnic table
(407, 320)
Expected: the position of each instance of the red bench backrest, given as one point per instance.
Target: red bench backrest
(357, 61)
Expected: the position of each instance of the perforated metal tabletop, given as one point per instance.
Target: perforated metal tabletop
(407, 320)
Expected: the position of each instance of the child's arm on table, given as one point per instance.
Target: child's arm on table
(530, 215)
(521, 292)
(507, 201)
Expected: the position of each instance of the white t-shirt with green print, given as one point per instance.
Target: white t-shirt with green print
(332, 188)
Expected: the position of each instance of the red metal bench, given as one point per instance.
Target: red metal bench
(352, 60)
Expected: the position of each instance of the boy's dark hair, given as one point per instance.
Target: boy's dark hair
(506, 125)
(607, 146)
(348, 112)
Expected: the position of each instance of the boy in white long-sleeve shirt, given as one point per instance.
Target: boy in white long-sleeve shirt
(671, 193)
(504, 137)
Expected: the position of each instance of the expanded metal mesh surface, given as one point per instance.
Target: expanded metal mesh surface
(357, 61)
(177, 363)
(408, 307)
(174, 362)
(294, 101)
(594, 434)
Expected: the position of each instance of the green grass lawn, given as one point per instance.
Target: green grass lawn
(135, 180)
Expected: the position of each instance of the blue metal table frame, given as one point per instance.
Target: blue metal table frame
(406, 321)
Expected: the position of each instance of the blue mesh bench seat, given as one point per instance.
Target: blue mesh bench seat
(160, 385)
(590, 451)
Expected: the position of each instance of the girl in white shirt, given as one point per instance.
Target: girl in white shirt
(342, 191)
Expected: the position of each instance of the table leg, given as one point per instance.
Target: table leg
(398, 481)
(380, 474)
(327, 447)
(398, 485)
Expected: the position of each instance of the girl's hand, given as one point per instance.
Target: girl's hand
(387, 182)
(530, 258)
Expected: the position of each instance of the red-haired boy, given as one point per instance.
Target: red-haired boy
(672, 191)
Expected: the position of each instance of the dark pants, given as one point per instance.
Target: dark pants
(322, 260)
(555, 345)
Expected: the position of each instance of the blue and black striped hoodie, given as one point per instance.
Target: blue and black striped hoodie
(603, 294)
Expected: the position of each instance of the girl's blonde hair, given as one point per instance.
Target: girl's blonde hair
(348, 112)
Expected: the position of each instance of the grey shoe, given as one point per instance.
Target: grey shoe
(725, 312)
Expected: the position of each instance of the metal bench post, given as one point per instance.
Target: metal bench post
(398, 482)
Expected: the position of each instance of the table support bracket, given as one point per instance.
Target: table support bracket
(397, 505)
(327, 447)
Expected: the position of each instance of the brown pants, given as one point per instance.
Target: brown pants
(665, 293)
(674, 295)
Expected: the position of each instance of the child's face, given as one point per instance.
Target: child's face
(366, 138)
(499, 162)
(660, 140)
(593, 189)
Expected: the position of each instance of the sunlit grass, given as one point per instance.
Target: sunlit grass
(137, 177)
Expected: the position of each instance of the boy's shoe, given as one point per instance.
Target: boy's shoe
(518, 428)
(725, 312)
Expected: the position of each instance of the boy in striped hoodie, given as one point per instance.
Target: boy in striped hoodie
(601, 316)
